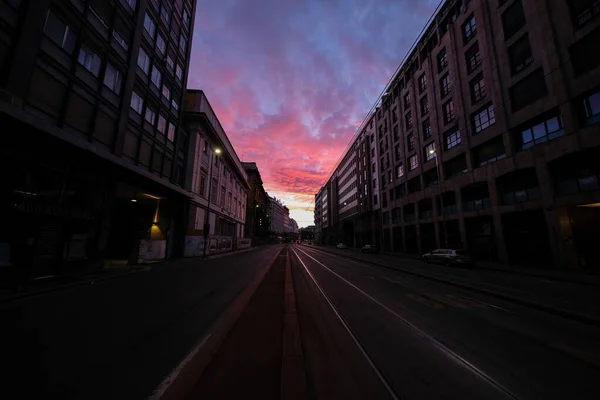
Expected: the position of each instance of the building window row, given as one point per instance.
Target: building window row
(137, 104)
(484, 118)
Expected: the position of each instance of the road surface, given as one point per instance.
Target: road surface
(118, 339)
(402, 336)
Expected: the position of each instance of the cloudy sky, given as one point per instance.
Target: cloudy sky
(291, 80)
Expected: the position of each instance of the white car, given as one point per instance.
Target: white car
(341, 246)
(448, 257)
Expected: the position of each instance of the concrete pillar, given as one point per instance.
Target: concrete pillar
(461, 219)
(417, 219)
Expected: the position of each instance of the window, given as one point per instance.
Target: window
(544, 131)
(399, 171)
(469, 29)
(396, 133)
(585, 55)
(528, 90)
(473, 58)
(520, 55)
(186, 17)
(160, 44)
(513, 19)
(592, 108)
(143, 61)
(164, 14)
(424, 106)
(445, 85)
(408, 120)
(413, 163)
(182, 43)
(137, 103)
(113, 78)
(149, 26)
(583, 11)
(179, 72)
(171, 132)
(156, 76)
(119, 39)
(394, 114)
(448, 111)
(150, 115)
(175, 104)
(162, 124)
(429, 152)
(451, 139)
(90, 60)
(442, 59)
(166, 92)
(59, 32)
(426, 129)
(484, 118)
(131, 4)
(202, 185)
(407, 100)
(170, 63)
(397, 151)
(422, 83)
(478, 90)
(410, 142)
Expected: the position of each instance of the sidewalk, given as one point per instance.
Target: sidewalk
(59, 282)
(577, 299)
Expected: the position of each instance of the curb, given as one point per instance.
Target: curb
(182, 379)
(552, 310)
(293, 373)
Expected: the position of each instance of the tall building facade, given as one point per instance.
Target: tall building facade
(216, 179)
(487, 135)
(92, 162)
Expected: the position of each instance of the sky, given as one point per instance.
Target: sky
(292, 80)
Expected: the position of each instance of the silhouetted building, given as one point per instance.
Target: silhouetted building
(257, 209)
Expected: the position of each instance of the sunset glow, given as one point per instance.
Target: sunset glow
(291, 81)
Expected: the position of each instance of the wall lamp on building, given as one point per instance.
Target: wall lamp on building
(217, 152)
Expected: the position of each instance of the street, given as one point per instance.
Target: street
(417, 338)
(119, 338)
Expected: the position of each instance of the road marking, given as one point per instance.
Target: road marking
(446, 350)
(345, 325)
(164, 385)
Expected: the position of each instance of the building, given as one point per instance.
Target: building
(93, 155)
(217, 182)
(488, 137)
(276, 217)
(257, 208)
(286, 219)
(344, 208)
(293, 226)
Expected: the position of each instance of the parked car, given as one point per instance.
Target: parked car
(341, 246)
(367, 248)
(448, 257)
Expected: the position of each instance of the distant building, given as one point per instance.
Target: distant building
(293, 226)
(276, 216)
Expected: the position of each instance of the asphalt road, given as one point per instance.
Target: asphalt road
(119, 338)
(428, 340)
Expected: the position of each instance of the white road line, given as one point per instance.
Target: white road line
(164, 385)
(345, 325)
(422, 333)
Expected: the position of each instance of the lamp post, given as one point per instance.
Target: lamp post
(216, 151)
(437, 167)
(255, 222)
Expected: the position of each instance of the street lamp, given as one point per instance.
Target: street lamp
(437, 167)
(255, 228)
(216, 151)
